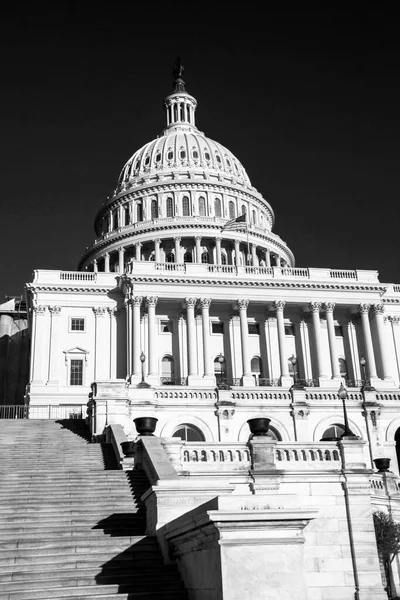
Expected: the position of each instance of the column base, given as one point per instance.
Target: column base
(152, 380)
(330, 384)
(286, 381)
(196, 380)
(381, 384)
(53, 382)
(208, 380)
(248, 381)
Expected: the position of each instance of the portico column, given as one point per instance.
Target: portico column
(190, 304)
(55, 312)
(315, 307)
(107, 262)
(205, 313)
(378, 311)
(121, 252)
(138, 247)
(329, 307)
(278, 261)
(237, 253)
(198, 249)
(279, 305)
(267, 257)
(151, 302)
(218, 250)
(136, 365)
(247, 378)
(177, 241)
(157, 243)
(369, 349)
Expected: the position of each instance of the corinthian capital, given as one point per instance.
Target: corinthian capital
(364, 308)
(40, 309)
(279, 305)
(151, 301)
(315, 306)
(378, 309)
(242, 304)
(55, 310)
(190, 302)
(329, 307)
(136, 300)
(99, 311)
(205, 302)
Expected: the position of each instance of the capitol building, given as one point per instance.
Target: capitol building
(189, 307)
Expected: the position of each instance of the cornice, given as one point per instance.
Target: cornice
(72, 289)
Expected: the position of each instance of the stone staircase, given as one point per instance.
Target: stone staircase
(71, 525)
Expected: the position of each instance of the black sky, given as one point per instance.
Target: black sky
(308, 101)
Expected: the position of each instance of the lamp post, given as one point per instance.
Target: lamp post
(143, 384)
(363, 363)
(366, 387)
(221, 359)
(293, 361)
(348, 434)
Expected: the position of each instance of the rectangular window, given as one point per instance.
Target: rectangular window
(254, 328)
(76, 375)
(338, 331)
(217, 327)
(289, 330)
(166, 327)
(77, 324)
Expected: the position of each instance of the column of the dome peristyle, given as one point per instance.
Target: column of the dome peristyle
(315, 308)
(153, 375)
(237, 253)
(382, 349)
(95, 269)
(138, 247)
(254, 259)
(193, 375)
(121, 252)
(106, 262)
(198, 249)
(247, 378)
(177, 241)
(157, 243)
(205, 314)
(278, 306)
(267, 257)
(136, 302)
(369, 349)
(329, 308)
(218, 250)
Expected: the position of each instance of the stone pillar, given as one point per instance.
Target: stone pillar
(177, 241)
(286, 380)
(112, 311)
(151, 303)
(329, 307)
(254, 260)
(315, 307)
(378, 311)
(205, 313)
(369, 350)
(138, 247)
(157, 243)
(54, 358)
(218, 250)
(247, 378)
(95, 268)
(107, 262)
(136, 303)
(278, 261)
(99, 312)
(129, 333)
(267, 257)
(198, 249)
(193, 374)
(110, 221)
(121, 252)
(40, 342)
(237, 253)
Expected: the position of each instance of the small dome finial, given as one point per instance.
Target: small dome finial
(177, 72)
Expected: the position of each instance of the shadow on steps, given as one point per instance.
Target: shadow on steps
(76, 426)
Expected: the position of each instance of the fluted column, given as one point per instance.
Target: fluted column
(157, 243)
(279, 305)
(378, 311)
(237, 253)
(267, 257)
(138, 249)
(205, 313)
(151, 303)
(129, 336)
(121, 252)
(218, 250)
(177, 241)
(39, 344)
(369, 349)
(136, 303)
(55, 312)
(247, 378)
(315, 308)
(190, 304)
(254, 260)
(106, 262)
(329, 308)
(198, 248)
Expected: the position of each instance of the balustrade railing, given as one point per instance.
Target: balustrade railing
(356, 382)
(53, 411)
(181, 267)
(342, 274)
(302, 383)
(77, 276)
(265, 382)
(173, 381)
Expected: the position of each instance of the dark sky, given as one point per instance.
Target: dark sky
(308, 102)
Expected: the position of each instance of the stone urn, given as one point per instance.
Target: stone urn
(382, 464)
(145, 425)
(259, 425)
(127, 448)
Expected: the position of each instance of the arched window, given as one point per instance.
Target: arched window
(126, 215)
(154, 209)
(185, 206)
(167, 370)
(170, 207)
(205, 258)
(170, 155)
(188, 258)
(255, 367)
(170, 258)
(333, 432)
(202, 206)
(244, 209)
(139, 212)
(343, 368)
(188, 433)
(217, 207)
(232, 212)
